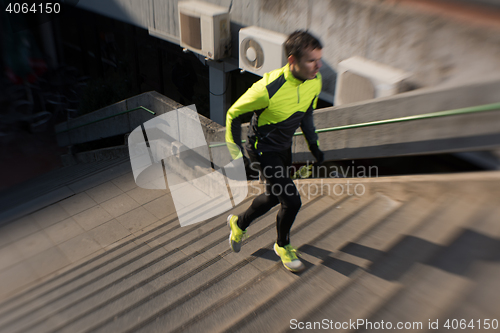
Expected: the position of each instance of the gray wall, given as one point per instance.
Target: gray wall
(436, 49)
(457, 133)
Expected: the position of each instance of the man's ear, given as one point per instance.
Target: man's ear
(292, 59)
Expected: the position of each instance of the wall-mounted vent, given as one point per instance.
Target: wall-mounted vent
(360, 79)
(204, 28)
(261, 50)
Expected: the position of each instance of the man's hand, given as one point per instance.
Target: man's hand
(303, 173)
(317, 153)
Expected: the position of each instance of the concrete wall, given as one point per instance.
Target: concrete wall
(468, 132)
(437, 50)
(436, 47)
(117, 125)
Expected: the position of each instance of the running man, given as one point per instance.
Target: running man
(281, 101)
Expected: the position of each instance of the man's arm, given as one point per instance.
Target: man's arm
(307, 125)
(310, 134)
(255, 98)
(309, 129)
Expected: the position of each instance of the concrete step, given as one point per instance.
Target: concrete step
(169, 283)
(358, 292)
(479, 307)
(353, 264)
(113, 264)
(361, 253)
(372, 288)
(247, 295)
(446, 277)
(182, 244)
(57, 185)
(307, 291)
(222, 288)
(163, 244)
(272, 279)
(53, 179)
(100, 264)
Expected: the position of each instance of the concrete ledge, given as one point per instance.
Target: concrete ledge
(467, 132)
(400, 187)
(95, 155)
(403, 187)
(121, 124)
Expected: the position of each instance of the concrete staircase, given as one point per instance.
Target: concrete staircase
(409, 249)
(55, 185)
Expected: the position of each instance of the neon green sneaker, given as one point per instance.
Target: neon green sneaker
(288, 255)
(237, 235)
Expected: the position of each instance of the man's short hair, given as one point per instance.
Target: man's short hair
(299, 41)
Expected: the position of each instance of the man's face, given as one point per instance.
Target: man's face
(307, 66)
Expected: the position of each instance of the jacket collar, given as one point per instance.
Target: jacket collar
(289, 76)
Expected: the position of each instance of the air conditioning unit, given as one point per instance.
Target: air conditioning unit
(360, 79)
(261, 50)
(204, 28)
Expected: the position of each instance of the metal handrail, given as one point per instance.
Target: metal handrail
(438, 114)
(98, 120)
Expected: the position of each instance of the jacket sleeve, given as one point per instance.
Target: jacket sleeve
(307, 124)
(308, 127)
(255, 98)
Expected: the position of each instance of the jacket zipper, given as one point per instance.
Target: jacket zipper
(298, 94)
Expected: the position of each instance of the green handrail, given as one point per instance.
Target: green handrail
(469, 110)
(114, 115)
(454, 112)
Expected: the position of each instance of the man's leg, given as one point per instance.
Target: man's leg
(279, 189)
(284, 189)
(286, 192)
(265, 201)
(290, 206)
(238, 224)
(260, 205)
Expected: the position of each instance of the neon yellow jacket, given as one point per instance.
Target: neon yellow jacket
(281, 103)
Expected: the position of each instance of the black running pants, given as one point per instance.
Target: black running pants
(279, 189)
